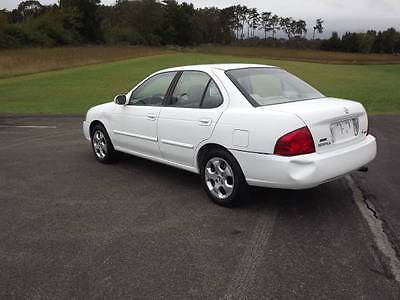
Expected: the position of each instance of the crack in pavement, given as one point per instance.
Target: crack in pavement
(375, 224)
(369, 200)
(371, 207)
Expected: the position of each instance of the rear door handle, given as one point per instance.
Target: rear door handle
(151, 116)
(205, 122)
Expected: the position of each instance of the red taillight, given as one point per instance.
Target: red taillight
(294, 143)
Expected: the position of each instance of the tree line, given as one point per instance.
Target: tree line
(149, 22)
(387, 41)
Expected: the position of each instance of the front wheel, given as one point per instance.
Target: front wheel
(102, 147)
(222, 178)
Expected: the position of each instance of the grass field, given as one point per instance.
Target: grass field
(33, 60)
(74, 90)
(301, 55)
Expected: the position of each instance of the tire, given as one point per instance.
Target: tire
(102, 147)
(222, 178)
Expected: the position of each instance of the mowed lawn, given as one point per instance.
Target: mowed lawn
(75, 90)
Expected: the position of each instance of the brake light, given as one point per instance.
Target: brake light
(294, 143)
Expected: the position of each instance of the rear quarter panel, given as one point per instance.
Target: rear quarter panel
(253, 129)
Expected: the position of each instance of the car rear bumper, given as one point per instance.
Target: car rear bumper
(85, 127)
(305, 171)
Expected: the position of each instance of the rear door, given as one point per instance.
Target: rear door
(189, 116)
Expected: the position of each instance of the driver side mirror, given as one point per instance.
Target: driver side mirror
(120, 99)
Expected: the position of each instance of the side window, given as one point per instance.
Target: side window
(152, 91)
(190, 89)
(212, 96)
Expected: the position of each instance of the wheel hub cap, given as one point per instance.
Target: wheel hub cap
(219, 178)
(99, 144)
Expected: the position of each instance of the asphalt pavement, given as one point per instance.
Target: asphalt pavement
(381, 185)
(71, 227)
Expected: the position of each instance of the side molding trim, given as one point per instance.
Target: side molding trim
(173, 143)
(138, 136)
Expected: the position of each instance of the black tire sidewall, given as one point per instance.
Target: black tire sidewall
(239, 181)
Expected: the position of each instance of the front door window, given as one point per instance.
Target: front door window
(152, 91)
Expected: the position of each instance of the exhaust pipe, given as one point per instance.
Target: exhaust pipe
(363, 169)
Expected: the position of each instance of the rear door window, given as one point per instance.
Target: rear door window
(212, 97)
(190, 89)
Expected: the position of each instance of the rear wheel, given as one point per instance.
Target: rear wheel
(222, 177)
(102, 147)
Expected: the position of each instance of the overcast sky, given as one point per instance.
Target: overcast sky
(339, 15)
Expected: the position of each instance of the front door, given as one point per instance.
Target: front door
(135, 124)
(189, 116)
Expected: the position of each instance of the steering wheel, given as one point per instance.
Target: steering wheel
(182, 95)
(139, 101)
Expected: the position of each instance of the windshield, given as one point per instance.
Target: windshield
(266, 86)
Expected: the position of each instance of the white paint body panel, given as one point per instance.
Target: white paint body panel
(135, 128)
(181, 130)
(305, 171)
(174, 136)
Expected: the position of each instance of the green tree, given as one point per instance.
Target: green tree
(179, 26)
(82, 17)
(237, 20)
(286, 24)
(147, 18)
(242, 12)
(318, 27)
(377, 46)
(274, 25)
(299, 28)
(350, 42)
(30, 8)
(367, 41)
(3, 18)
(333, 43)
(208, 24)
(254, 20)
(389, 40)
(265, 23)
(228, 24)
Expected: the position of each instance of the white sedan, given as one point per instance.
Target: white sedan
(235, 124)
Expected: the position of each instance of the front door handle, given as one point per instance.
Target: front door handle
(151, 116)
(205, 122)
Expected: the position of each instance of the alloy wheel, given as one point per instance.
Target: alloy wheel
(99, 144)
(219, 178)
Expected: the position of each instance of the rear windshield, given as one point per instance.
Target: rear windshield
(266, 86)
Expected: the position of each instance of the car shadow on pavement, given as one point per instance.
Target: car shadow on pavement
(304, 201)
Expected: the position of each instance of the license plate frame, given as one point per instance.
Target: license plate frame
(344, 130)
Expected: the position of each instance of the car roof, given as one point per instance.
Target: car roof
(224, 67)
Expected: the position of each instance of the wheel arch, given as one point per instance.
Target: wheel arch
(204, 149)
(93, 124)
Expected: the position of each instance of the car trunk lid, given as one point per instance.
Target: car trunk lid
(334, 123)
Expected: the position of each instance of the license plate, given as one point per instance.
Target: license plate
(344, 130)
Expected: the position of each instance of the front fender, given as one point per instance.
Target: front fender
(101, 113)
